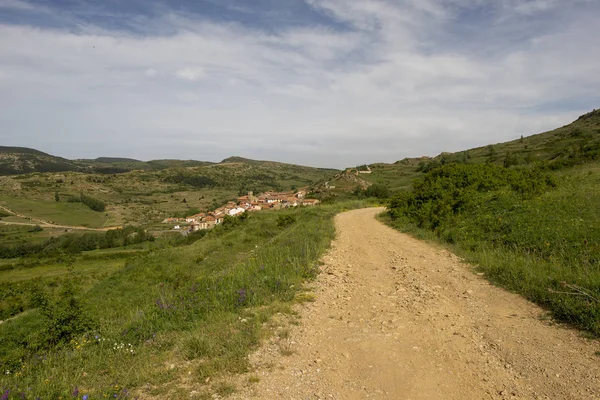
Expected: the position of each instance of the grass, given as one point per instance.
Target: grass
(199, 308)
(60, 213)
(545, 246)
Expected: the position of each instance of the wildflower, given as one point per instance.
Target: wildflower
(5, 395)
(85, 397)
(242, 296)
(75, 392)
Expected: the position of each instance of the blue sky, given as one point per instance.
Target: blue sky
(319, 82)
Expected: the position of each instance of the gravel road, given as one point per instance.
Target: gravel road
(398, 318)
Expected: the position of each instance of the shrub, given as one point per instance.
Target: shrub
(63, 316)
(285, 220)
(92, 203)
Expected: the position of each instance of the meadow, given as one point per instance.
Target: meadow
(172, 316)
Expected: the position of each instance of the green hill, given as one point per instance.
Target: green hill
(22, 160)
(572, 144)
(525, 212)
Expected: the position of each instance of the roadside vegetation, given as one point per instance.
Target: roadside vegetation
(177, 314)
(530, 226)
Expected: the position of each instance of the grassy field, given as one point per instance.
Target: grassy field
(59, 213)
(173, 316)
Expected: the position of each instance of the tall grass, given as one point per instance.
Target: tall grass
(194, 311)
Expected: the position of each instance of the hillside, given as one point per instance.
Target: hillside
(524, 211)
(571, 144)
(22, 160)
(146, 196)
(112, 165)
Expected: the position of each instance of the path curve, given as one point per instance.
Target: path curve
(398, 318)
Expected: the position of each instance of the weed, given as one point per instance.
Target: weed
(224, 389)
(286, 349)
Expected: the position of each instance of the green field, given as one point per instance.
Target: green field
(174, 304)
(75, 214)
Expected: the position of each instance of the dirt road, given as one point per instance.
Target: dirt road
(397, 318)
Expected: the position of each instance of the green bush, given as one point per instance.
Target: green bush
(284, 220)
(524, 229)
(92, 203)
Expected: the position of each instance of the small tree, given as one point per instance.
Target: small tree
(63, 317)
(56, 197)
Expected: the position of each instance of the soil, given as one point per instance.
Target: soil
(397, 318)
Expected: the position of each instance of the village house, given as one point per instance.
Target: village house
(236, 211)
(264, 201)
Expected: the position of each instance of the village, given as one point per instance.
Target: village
(247, 203)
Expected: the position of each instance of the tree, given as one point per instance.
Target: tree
(56, 197)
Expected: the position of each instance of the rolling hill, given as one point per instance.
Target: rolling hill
(22, 160)
(571, 144)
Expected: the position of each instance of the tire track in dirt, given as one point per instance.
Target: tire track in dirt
(397, 318)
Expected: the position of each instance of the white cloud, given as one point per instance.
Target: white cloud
(389, 87)
(151, 73)
(191, 73)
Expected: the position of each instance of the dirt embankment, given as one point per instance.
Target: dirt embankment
(397, 318)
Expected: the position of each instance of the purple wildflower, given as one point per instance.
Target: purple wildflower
(5, 395)
(242, 296)
(75, 392)
(85, 397)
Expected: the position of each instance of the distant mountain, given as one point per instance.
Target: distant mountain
(112, 165)
(22, 160)
(113, 160)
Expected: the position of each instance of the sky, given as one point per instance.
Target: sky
(330, 83)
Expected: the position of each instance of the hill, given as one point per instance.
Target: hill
(143, 193)
(110, 165)
(22, 160)
(571, 144)
(524, 211)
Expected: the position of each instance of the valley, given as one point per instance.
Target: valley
(101, 295)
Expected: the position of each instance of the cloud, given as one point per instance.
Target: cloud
(151, 73)
(16, 4)
(191, 73)
(380, 81)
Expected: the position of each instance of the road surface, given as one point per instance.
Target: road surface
(398, 318)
